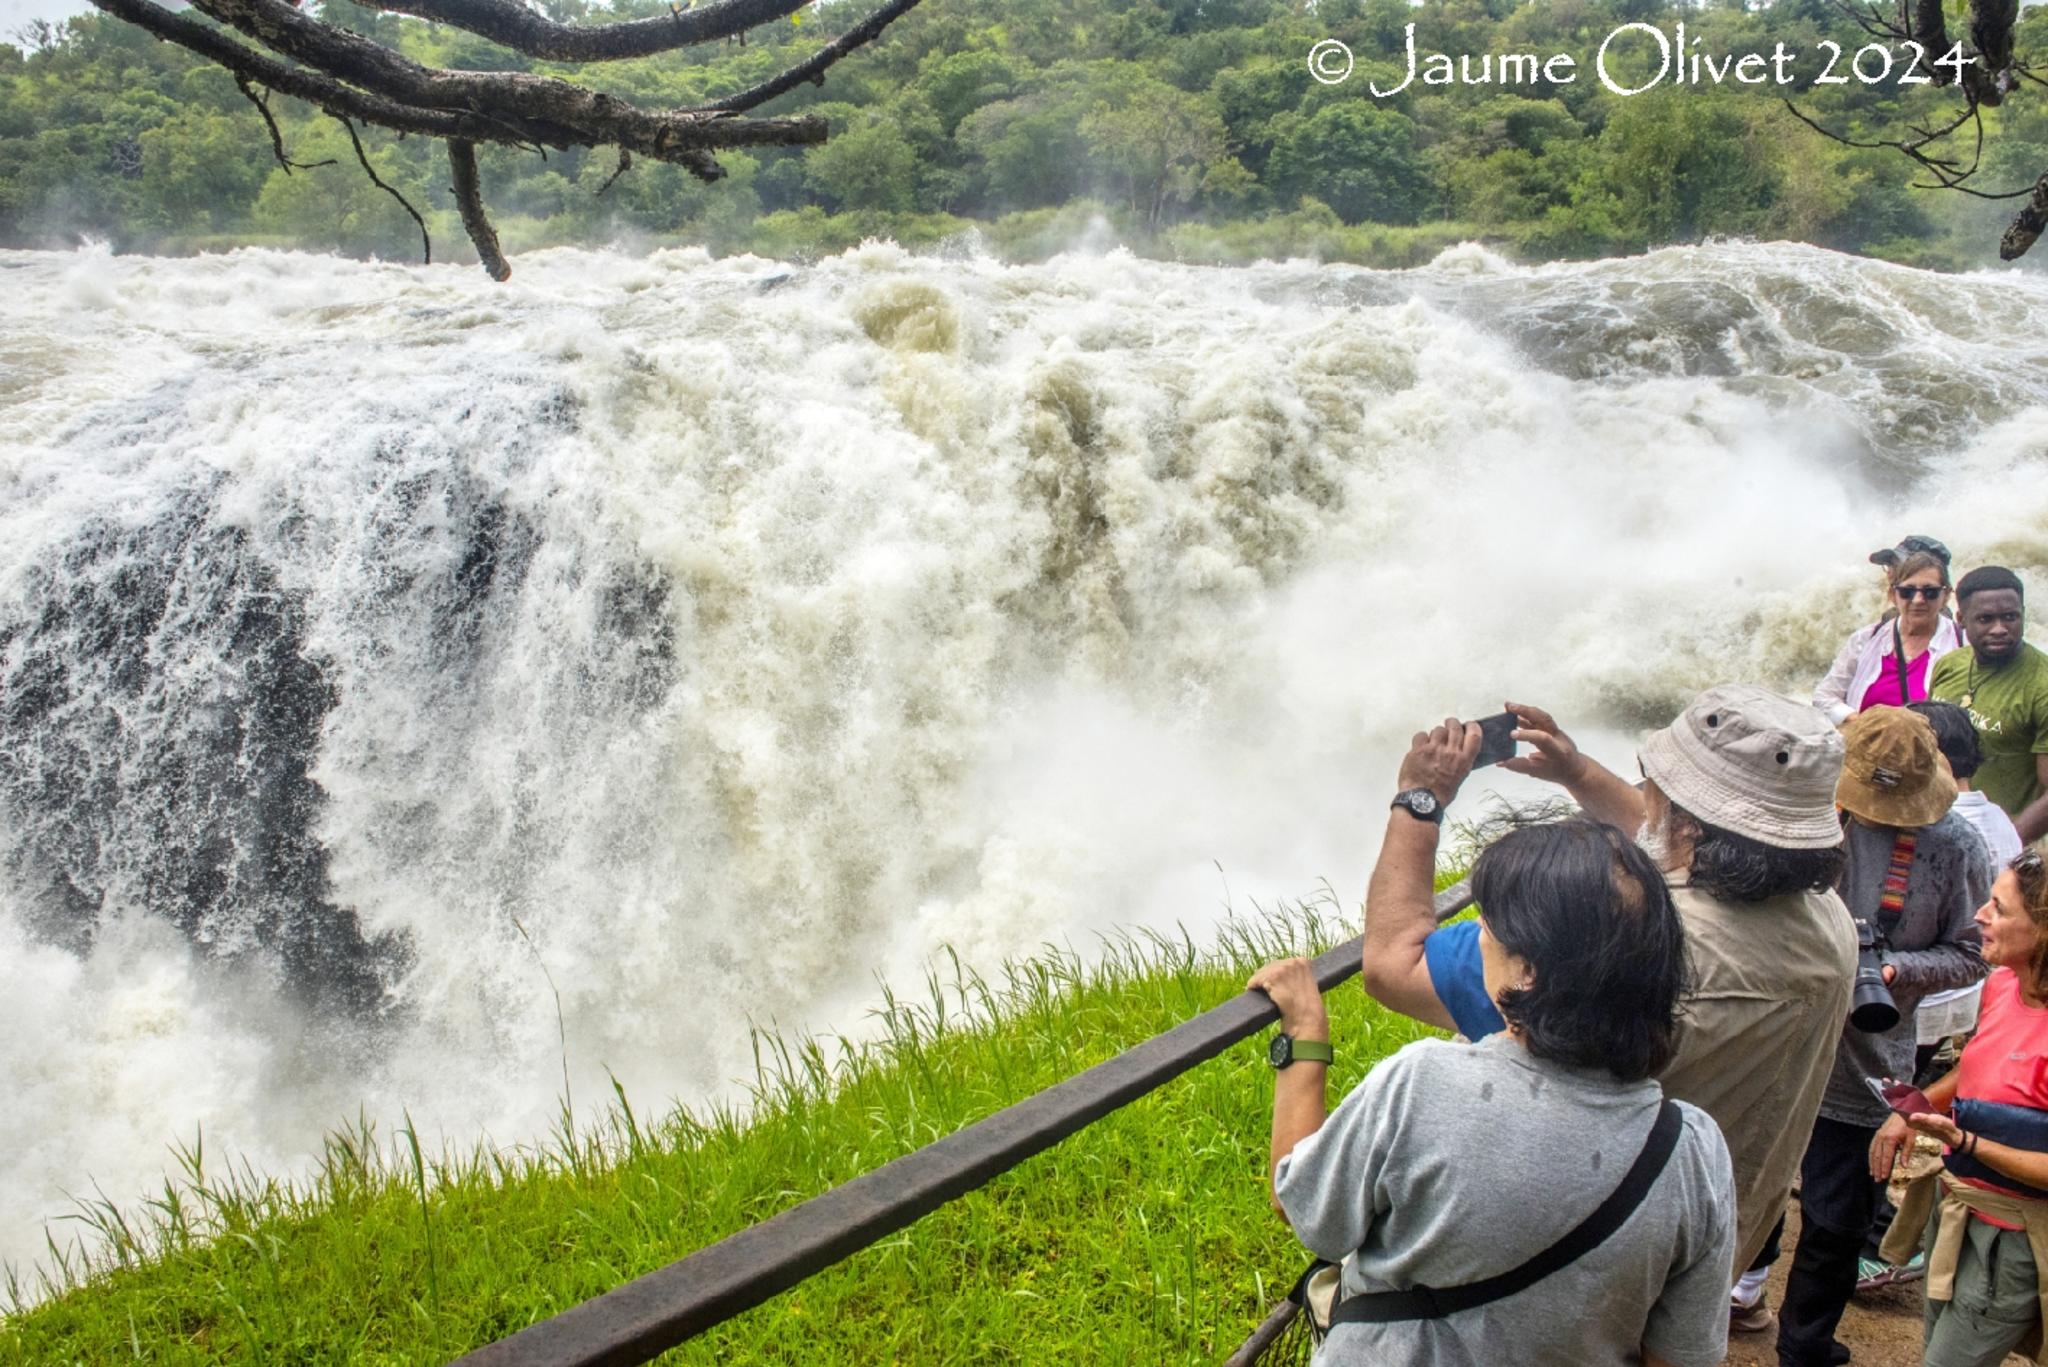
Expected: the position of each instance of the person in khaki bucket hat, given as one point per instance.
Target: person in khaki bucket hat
(1914, 876)
(1754, 762)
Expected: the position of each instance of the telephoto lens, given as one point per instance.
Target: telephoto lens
(1871, 1008)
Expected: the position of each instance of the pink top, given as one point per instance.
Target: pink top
(1884, 689)
(2007, 1060)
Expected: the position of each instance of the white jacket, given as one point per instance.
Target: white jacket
(1867, 651)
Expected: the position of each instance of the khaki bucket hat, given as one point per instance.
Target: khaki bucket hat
(1893, 774)
(1753, 762)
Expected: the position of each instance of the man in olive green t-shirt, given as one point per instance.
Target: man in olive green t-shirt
(2003, 683)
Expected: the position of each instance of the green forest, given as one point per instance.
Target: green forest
(1187, 129)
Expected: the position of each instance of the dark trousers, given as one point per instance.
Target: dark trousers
(1773, 1246)
(1836, 1199)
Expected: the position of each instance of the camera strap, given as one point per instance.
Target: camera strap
(1431, 1303)
(1899, 658)
(1891, 903)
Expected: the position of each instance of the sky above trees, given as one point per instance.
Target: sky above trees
(14, 14)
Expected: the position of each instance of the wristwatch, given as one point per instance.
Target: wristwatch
(1285, 1049)
(1419, 803)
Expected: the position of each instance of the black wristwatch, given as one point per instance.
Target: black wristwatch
(1285, 1049)
(1419, 803)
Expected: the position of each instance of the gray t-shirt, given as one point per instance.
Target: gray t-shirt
(1451, 1163)
(1935, 945)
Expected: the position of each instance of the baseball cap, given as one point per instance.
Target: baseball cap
(1889, 556)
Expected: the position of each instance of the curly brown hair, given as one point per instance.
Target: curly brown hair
(2028, 872)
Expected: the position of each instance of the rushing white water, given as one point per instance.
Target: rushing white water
(716, 636)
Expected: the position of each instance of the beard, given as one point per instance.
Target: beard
(1656, 842)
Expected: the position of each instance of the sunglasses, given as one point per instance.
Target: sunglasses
(1930, 592)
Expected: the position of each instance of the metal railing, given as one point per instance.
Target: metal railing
(634, 1322)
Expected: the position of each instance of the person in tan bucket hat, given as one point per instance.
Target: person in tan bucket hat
(1892, 774)
(1914, 876)
(1737, 809)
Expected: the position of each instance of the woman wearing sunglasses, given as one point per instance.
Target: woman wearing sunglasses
(1987, 1260)
(1888, 662)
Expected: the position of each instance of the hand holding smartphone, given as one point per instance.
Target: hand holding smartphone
(1496, 739)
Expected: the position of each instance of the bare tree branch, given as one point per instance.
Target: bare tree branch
(262, 104)
(813, 70)
(1930, 30)
(469, 199)
(2027, 226)
(513, 25)
(330, 95)
(625, 164)
(426, 243)
(597, 117)
(355, 79)
(1870, 21)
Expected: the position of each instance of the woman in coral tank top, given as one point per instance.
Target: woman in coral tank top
(1987, 1264)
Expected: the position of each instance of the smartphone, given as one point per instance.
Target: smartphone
(1902, 1097)
(1496, 739)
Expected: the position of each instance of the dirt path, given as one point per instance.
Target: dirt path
(1880, 1329)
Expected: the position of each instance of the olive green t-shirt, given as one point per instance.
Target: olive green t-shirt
(2009, 705)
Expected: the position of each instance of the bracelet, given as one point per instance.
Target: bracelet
(1969, 1145)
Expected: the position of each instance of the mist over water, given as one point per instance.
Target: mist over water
(718, 636)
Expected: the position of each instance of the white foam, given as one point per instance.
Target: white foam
(842, 611)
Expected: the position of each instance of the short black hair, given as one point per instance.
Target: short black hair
(1955, 734)
(1587, 909)
(1989, 577)
(1741, 868)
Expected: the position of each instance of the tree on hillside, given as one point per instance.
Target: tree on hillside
(1157, 143)
(1361, 160)
(356, 74)
(1952, 152)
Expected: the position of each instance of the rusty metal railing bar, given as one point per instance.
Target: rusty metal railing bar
(1277, 1322)
(654, 1312)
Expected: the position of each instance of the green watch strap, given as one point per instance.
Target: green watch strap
(1314, 1051)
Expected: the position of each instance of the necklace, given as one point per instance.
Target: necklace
(1970, 684)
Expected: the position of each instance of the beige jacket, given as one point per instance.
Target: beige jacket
(1957, 1200)
(1758, 1037)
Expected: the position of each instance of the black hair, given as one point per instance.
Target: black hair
(1587, 909)
(1989, 577)
(1741, 868)
(1955, 734)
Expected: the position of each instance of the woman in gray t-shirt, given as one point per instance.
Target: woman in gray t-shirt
(1450, 1164)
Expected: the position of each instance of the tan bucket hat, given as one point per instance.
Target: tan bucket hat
(1893, 774)
(1753, 762)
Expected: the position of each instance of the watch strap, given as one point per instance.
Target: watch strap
(1314, 1051)
(1421, 804)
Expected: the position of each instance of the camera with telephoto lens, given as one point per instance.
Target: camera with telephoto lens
(1871, 1007)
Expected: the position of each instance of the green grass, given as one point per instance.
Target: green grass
(1144, 1238)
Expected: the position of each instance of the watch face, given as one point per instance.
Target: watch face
(1419, 801)
(1280, 1052)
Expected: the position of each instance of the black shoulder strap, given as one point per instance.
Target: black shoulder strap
(1429, 1303)
(1899, 659)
